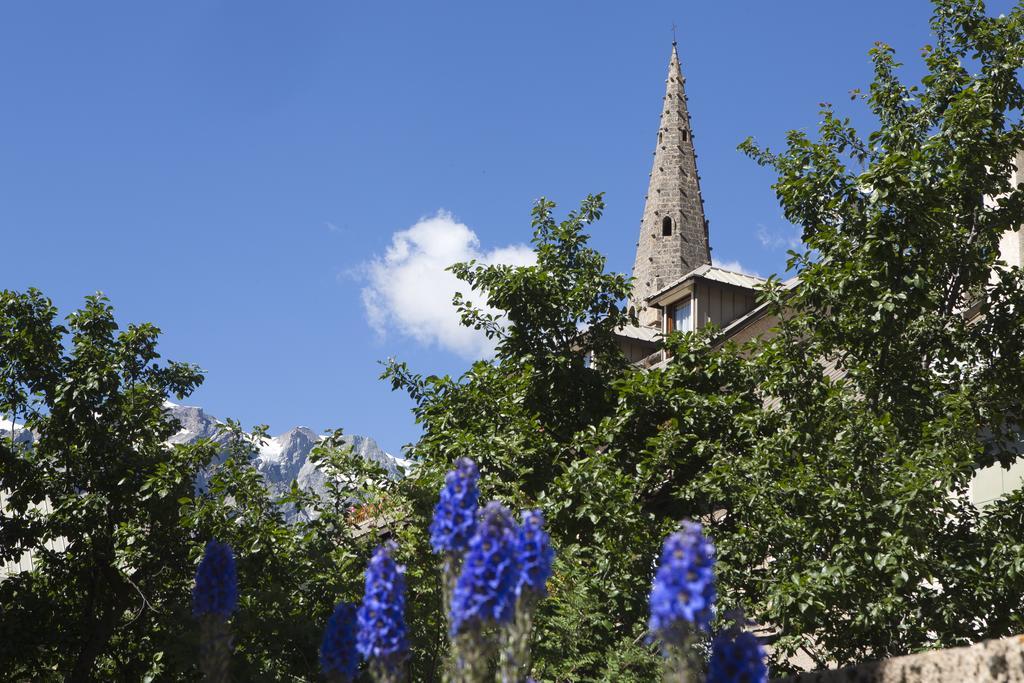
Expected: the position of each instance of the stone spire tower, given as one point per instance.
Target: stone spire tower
(673, 232)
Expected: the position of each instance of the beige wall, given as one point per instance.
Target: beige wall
(1011, 245)
(634, 349)
(25, 562)
(995, 482)
(720, 303)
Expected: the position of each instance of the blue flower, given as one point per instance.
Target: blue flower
(216, 589)
(683, 593)
(338, 656)
(485, 591)
(533, 547)
(737, 660)
(382, 632)
(455, 512)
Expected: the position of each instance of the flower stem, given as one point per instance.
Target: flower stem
(449, 575)
(515, 652)
(683, 663)
(475, 651)
(389, 672)
(214, 648)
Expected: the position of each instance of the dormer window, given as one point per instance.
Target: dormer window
(681, 316)
(666, 227)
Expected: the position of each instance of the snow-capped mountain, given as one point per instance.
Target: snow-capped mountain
(284, 457)
(281, 459)
(21, 435)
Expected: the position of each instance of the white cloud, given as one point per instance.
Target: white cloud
(409, 291)
(777, 238)
(735, 266)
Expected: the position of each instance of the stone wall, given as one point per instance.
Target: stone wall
(994, 661)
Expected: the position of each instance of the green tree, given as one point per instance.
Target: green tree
(106, 545)
(850, 523)
(116, 519)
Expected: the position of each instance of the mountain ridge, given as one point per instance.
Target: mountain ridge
(281, 459)
(284, 457)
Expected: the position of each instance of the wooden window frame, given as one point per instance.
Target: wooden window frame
(670, 314)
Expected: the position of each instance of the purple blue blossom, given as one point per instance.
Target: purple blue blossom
(738, 659)
(533, 548)
(683, 594)
(339, 659)
(485, 592)
(455, 513)
(216, 588)
(382, 637)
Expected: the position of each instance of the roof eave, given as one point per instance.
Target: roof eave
(673, 292)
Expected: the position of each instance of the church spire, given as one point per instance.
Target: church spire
(673, 232)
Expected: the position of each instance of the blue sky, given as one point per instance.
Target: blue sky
(239, 172)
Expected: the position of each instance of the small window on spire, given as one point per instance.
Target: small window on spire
(660, 134)
(666, 227)
(684, 134)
